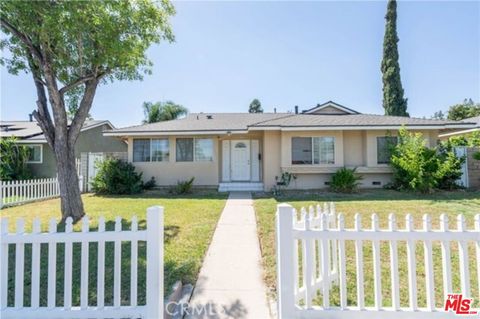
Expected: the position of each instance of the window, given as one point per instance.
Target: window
(194, 149)
(35, 154)
(323, 150)
(313, 150)
(384, 148)
(141, 150)
(151, 150)
(301, 150)
(160, 150)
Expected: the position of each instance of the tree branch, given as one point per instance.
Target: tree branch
(76, 83)
(82, 112)
(25, 39)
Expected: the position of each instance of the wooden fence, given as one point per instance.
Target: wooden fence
(58, 307)
(24, 191)
(322, 254)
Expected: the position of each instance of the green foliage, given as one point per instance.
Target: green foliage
(463, 110)
(470, 140)
(393, 101)
(162, 111)
(476, 156)
(285, 179)
(115, 176)
(345, 180)
(86, 36)
(255, 107)
(439, 115)
(150, 184)
(14, 157)
(417, 167)
(184, 187)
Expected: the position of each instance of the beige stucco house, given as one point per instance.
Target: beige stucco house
(242, 151)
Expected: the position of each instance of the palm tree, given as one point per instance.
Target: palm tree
(162, 111)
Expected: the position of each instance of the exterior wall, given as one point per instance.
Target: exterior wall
(48, 167)
(354, 148)
(93, 141)
(169, 173)
(473, 168)
(271, 158)
(88, 141)
(330, 110)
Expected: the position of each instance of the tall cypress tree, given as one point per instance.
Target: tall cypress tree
(393, 101)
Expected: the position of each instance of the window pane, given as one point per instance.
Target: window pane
(34, 154)
(160, 150)
(184, 150)
(301, 150)
(203, 149)
(324, 150)
(384, 148)
(141, 150)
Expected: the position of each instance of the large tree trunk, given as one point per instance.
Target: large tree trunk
(71, 200)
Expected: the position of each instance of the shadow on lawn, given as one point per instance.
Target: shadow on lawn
(196, 194)
(372, 195)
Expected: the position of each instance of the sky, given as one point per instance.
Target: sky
(292, 53)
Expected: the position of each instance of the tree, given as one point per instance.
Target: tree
(70, 48)
(463, 110)
(393, 101)
(13, 165)
(439, 115)
(255, 107)
(162, 111)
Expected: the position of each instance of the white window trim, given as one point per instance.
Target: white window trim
(150, 139)
(313, 153)
(41, 154)
(194, 157)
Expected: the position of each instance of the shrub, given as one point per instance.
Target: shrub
(150, 184)
(476, 156)
(184, 187)
(14, 157)
(419, 168)
(115, 176)
(345, 180)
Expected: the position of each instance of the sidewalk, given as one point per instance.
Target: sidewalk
(230, 282)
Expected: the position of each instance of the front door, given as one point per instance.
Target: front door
(240, 162)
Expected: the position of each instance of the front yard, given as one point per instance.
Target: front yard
(381, 202)
(189, 224)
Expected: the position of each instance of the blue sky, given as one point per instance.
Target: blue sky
(292, 53)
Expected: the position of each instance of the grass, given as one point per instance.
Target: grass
(189, 224)
(381, 202)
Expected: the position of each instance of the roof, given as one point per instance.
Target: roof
(28, 131)
(472, 128)
(328, 104)
(223, 123)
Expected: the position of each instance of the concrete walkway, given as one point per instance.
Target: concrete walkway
(230, 284)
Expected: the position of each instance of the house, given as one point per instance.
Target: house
(475, 127)
(242, 151)
(42, 162)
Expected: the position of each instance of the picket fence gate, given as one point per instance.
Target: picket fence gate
(321, 234)
(153, 236)
(24, 191)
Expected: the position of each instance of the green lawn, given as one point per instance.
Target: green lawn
(189, 224)
(381, 202)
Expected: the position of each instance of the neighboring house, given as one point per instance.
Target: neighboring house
(235, 151)
(42, 160)
(463, 131)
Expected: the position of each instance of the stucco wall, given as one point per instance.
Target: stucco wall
(169, 173)
(473, 167)
(271, 158)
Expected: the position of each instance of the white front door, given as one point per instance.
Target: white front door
(240, 161)
(93, 160)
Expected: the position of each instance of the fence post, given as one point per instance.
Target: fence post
(155, 262)
(285, 262)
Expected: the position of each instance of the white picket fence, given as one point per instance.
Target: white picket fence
(153, 236)
(322, 237)
(24, 191)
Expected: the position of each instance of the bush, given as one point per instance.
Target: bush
(115, 176)
(150, 184)
(14, 157)
(419, 168)
(184, 187)
(345, 180)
